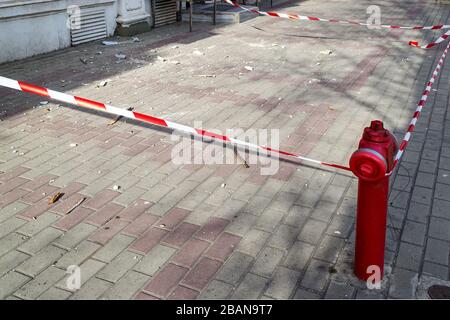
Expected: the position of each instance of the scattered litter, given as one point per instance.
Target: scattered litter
(174, 47)
(223, 185)
(73, 145)
(331, 108)
(110, 43)
(327, 52)
(175, 62)
(159, 58)
(198, 53)
(136, 39)
(14, 151)
(76, 205)
(99, 53)
(248, 68)
(162, 225)
(83, 60)
(207, 75)
(120, 56)
(337, 232)
(43, 103)
(102, 84)
(116, 187)
(55, 197)
(153, 50)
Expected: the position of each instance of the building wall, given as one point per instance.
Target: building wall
(30, 27)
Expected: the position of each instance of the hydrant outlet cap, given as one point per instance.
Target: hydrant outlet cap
(368, 164)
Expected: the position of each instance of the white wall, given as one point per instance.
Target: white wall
(32, 27)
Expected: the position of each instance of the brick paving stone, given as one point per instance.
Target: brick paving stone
(200, 275)
(148, 240)
(102, 198)
(10, 225)
(40, 261)
(216, 290)
(145, 296)
(10, 242)
(39, 241)
(140, 225)
(403, 284)
(77, 234)
(155, 260)
(329, 249)
(104, 215)
(183, 293)
(299, 255)
(166, 280)
(190, 253)
(414, 232)
(253, 242)
(267, 261)
(409, 256)
(316, 275)
(234, 268)
(173, 218)
(11, 260)
(302, 294)
(250, 287)
(282, 284)
(91, 290)
(437, 251)
(339, 290)
(119, 266)
(116, 245)
(108, 231)
(78, 255)
(54, 293)
(181, 234)
(439, 229)
(135, 210)
(41, 283)
(242, 224)
(312, 231)
(10, 282)
(212, 228)
(223, 246)
(35, 226)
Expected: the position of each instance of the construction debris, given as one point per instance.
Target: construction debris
(76, 205)
(55, 197)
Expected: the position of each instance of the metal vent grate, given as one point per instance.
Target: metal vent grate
(92, 26)
(165, 12)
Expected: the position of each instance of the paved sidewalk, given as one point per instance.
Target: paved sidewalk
(224, 231)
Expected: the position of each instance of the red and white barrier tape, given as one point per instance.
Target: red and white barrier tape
(86, 103)
(309, 18)
(300, 17)
(442, 38)
(420, 106)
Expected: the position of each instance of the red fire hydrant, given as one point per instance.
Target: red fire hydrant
(370, 163)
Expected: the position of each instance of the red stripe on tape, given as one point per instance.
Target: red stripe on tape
(31, 88)
(212, 135)
(150, 119)
(83, 102)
